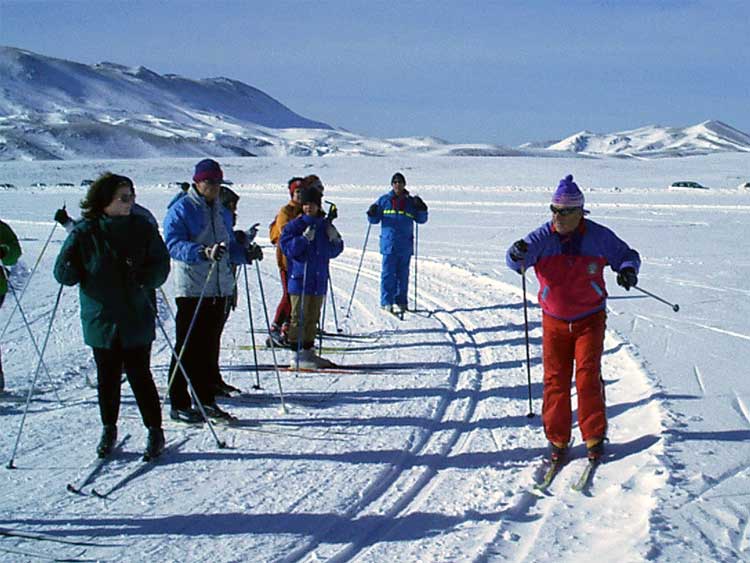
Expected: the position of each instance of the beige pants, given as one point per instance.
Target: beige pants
(310, 318)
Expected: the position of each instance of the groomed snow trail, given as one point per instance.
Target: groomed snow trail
(422, 452)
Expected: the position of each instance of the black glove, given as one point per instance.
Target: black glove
(131, 277)
(214, 252)
(627, 278)
(254, 252)
(252, 232)
(373, 211)
(333, 212)
(419, 205)
(518, 250)
(61, 216)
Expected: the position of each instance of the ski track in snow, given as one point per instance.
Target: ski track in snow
(461, 478)
(429, 459)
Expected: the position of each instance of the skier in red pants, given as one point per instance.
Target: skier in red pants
(569, 254)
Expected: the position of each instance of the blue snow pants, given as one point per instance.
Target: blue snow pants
(394, 279)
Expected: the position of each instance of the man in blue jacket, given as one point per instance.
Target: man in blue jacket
(397, 211)
(199, 236)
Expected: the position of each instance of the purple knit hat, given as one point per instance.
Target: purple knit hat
(207, 169)
(567, 193)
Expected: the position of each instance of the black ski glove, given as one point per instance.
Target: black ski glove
(254, 252)
(131, 274)
(627, 278)
(61, 216)
(518, 250)
(214, 252)
(419, 204)
(373, 210)
(333, 212)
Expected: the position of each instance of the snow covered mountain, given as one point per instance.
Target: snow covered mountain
(654, 141)
(53, 109)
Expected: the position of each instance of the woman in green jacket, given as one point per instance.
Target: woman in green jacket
(116, 258)
(10, 252)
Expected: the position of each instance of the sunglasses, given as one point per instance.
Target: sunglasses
(126, 198)
(564, 211)
(212, 182)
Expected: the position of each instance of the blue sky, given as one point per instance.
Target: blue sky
(501, 72)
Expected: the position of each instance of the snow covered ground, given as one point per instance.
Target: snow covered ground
(422, 450)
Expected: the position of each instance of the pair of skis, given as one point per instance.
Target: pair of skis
(581, 484)
(98, 466)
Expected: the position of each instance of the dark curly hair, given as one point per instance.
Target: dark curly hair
(101, 193)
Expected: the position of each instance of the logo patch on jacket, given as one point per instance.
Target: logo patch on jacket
(592, 268)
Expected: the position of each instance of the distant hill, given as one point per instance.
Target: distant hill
(655, 141)
(52, 109)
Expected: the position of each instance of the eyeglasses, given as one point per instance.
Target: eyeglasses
(564, 211)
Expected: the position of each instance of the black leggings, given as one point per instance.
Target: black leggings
(109, 364)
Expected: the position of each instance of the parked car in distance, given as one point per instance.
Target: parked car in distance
(64, 185)
(38, 185)
(86, 182)
(744, 186)
(686, 186)
(7, 186)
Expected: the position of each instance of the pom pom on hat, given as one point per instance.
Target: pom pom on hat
(207, 169)
(311, 195)
(568, 194)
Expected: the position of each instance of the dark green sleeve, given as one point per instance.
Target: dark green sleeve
(156, 265)
(9, 243)
(68, 270)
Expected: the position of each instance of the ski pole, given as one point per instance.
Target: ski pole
(189, 330)
(356, 277)
(273, 346)
(31, 336)
(33, 381)
(28, 280)
(322, 326)
(675, 306)
(301, 315)
(165, 300)
(416, 260)
(252, 328)
(219, 443)
(528, 354)
(333, 303)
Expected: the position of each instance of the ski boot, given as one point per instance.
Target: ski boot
(595, 449)
(107, 441)
(154, 443)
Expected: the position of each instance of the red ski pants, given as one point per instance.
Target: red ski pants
(284, 309)
(564, 342)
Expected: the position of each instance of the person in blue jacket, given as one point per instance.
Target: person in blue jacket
(309, 242)
(200, 239)
(396, 211)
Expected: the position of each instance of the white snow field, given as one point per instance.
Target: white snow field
(419, 447)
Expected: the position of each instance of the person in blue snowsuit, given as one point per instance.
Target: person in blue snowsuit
(397, 211)
(308, 242)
